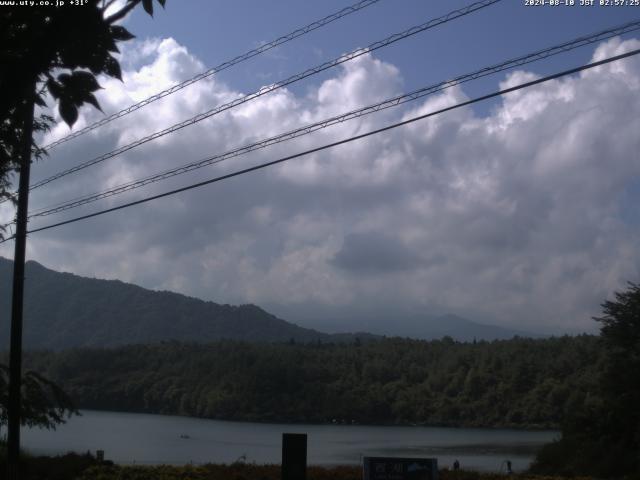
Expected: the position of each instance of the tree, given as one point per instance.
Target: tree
(601, 436)
(56, 50)
(620, 382)
(60, 51)
(44, 403)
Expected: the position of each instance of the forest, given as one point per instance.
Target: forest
(522, 383)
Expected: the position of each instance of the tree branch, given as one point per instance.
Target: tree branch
(119, 15)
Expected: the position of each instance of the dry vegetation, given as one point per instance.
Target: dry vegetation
(259, 472)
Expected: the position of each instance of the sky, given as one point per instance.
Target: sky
(518, 212)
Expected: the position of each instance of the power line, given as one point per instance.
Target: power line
(223, 66)
(341, 142)
(395, 101)
(268, 89)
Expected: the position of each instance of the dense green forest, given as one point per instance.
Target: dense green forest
(510, 383)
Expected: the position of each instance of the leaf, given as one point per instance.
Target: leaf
(68, 112)
(64, 79)
(84, 81)
(148, 6)
(162, 2)
(120, 33)
(96, 62)
(111, 46)
(112, 68)
(90, 98)
(40, 101)
(54, 88)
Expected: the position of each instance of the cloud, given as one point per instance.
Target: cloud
(375, 254)
(519, 216)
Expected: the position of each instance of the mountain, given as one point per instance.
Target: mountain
(460, 328)
(424, 327)
(400, 322)
(63, 310)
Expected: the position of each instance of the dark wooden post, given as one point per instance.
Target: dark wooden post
(15, 353)
(294, 456)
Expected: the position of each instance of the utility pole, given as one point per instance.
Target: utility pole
(15, 355)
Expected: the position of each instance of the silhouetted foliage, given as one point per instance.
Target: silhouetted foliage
(516, 383)
(601, 434)
(60, 467)
(61, 50)
(44, 404)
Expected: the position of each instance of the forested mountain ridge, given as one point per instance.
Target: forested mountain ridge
(522, 383)
(63, 310)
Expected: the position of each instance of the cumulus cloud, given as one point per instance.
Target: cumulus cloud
(516, 216)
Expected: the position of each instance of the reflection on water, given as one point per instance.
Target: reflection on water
(153, 439)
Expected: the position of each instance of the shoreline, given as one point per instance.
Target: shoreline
(86, 467)
(506, 427)
(147, 439)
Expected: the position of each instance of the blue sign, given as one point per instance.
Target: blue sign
(392, 468)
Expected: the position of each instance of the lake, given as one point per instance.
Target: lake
(129, 438)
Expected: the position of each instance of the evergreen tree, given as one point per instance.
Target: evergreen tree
(601, 435)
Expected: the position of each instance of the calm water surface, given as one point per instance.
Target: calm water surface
(129, 438)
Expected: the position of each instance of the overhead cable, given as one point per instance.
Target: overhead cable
(223, 66)
(270, 88)
(307, 129)
(341, 142)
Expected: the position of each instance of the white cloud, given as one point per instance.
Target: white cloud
(514, 216)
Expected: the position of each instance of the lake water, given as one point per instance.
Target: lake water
(129, 438)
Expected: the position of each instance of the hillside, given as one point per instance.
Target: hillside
(508, 383)
(64, 310)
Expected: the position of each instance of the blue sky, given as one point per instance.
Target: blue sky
(518, 212)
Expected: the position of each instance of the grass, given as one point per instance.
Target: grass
(85, 467)
(259, 472)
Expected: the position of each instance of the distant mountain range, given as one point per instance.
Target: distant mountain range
(63, 310)
(410, 324)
